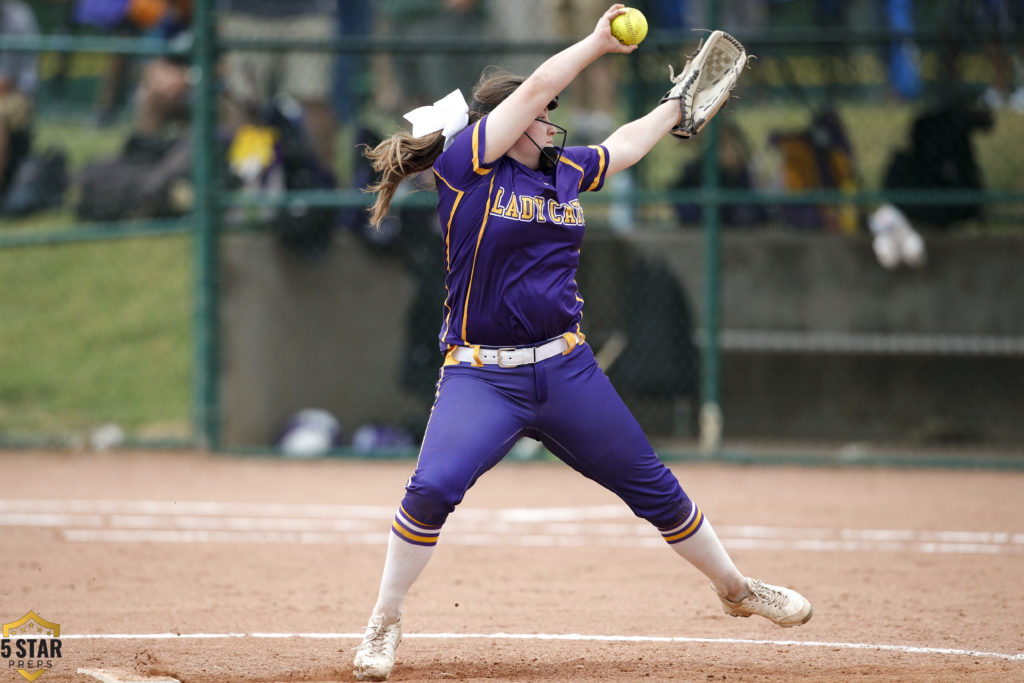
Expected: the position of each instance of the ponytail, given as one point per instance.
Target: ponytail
(397, 158)
(402, 155)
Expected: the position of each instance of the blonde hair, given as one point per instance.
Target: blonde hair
(402, 155)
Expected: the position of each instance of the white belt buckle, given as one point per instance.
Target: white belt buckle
(502, 365)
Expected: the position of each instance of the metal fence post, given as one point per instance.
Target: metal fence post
(206, 397)
(710, 409)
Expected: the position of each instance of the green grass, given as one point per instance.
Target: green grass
(95, 333)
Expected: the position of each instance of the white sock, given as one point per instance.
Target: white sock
(705, 552)
(403, 565)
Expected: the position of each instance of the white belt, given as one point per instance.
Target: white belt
(511, 357)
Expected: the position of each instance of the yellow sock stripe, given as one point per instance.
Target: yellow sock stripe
(688, 530)
(411, 536)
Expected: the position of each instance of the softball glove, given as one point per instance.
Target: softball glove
(705, 82)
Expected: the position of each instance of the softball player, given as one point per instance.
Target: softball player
(516, 362)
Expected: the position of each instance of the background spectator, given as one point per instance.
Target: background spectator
(902, 54)
(735, 172)
(135, 18)
(162, 98)
(253, 77)
(993, 25)
(513, 22)
(594, 93)
(18, 80)
(411, 80)
(351, 69)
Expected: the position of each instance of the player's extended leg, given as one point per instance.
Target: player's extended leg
(475, 420)
(586, 424)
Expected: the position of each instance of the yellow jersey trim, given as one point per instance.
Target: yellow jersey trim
(476, 151)
(600, 169)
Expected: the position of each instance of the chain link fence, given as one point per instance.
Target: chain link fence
(96, 316)
(830, 268)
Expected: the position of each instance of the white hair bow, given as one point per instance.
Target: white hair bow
(449, 115)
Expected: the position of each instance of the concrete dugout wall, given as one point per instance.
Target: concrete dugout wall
(332, 333)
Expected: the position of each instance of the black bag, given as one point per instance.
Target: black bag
(38, 184)
(941, 157)
(150, 178)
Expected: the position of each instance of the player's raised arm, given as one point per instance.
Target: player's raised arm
(632, 141)
(513, 116)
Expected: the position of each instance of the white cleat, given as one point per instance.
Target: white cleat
(375, 657)
(779, 605)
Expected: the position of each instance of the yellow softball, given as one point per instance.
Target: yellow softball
(630, 28)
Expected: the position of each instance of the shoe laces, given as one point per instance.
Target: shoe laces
(768, 594)
(376, 638)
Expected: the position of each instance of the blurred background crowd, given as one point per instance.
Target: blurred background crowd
(354, 66)
(886, 127)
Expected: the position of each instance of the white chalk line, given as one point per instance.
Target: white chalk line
(453, 537)
(141, 521)
(909, 649)
(165, 507)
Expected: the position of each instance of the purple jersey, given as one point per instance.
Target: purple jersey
(512, 237)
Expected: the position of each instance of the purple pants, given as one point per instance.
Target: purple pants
(565, 402)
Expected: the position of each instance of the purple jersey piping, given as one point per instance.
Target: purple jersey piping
(476, 252)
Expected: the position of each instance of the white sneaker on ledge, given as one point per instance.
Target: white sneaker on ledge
(782, 606)
(895, 240)
(375, 656)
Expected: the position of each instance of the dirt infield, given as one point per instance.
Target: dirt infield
(217, 568)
